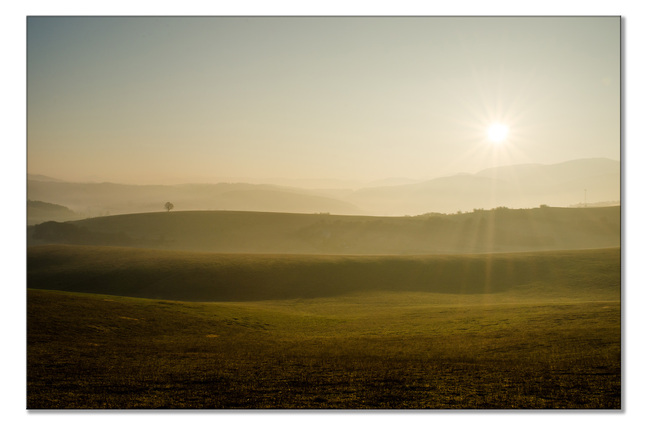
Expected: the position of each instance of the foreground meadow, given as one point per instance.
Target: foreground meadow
(532, 344)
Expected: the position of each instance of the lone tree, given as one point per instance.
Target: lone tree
(169, 206)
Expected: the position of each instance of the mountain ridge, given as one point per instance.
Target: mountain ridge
(517, 186)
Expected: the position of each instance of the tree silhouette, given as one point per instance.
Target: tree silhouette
(169, 206)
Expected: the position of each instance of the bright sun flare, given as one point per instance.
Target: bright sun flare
(497, 132)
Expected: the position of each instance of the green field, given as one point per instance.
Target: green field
(134, 328)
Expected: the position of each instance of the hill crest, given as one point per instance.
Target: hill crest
(497, 230)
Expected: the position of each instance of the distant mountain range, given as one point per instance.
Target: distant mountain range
(35, 177)
(38, 212)
(519, 186)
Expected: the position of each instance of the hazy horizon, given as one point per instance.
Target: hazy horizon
(304, 183)
(168, 100)
(452, 235)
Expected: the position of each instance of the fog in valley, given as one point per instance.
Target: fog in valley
(340, 117)
(590, 182)
(323, 213)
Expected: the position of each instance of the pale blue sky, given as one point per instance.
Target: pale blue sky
(172, 100)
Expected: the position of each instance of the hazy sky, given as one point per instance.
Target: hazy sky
(175, 100)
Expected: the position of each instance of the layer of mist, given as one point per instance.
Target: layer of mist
(521, 186)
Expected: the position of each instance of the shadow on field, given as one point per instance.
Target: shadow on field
(230, 277)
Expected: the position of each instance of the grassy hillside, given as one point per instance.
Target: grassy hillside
(238, 277)
(497, 230)
(376, 350)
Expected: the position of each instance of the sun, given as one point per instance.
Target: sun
(497, 133)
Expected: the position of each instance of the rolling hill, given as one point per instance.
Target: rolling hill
(497, 230)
